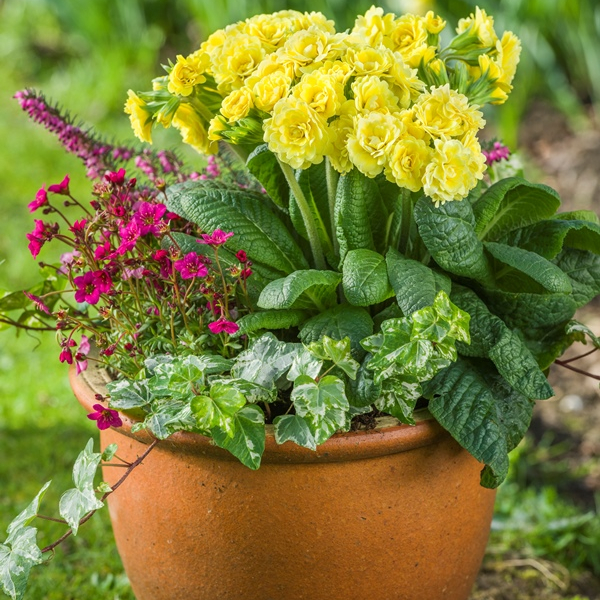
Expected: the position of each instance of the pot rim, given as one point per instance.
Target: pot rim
(388, 437)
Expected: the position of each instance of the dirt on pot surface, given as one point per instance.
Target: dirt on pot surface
(568, 161)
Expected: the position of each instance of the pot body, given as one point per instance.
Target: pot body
(391, 513)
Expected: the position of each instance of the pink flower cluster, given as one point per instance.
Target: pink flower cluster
(497, 153)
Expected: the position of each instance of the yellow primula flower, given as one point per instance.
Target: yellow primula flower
(413, 128)
(192, 130)
(322, 92)
(215, 127)
(481, 25)
(445, 112)
(373, 138)
(187, 73)
(373, 26)
(139, 116)
(372, 94)
(235, 60)
(270, 64)
(340, 69)
(493, 72)
(296, 133)
(309, 48)
(237, 105)
(509, 53)
(409, 38)
(452, 173)
(339, 130)
(272, 31)
(404, 81)
(271, 89)
(365, 60)
(407, 163)
(318, 20)
(433, 23)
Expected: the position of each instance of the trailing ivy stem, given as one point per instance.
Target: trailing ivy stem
(309, 222)
(572, 368)
(570, 360)
(54, 519)
(332, 181)
(89, 515)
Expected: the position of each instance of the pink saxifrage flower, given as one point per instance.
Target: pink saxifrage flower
(81, 355)
(61, 188)
(129, 237)
(42, 233)
(149, 218)
(191, 265)
(222, 325)
(41, 198)
(105, 417)
(217, 238)
(90, 285)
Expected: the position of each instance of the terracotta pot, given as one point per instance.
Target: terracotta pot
(392, 513)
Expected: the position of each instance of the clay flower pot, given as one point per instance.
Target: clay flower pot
(394, 512)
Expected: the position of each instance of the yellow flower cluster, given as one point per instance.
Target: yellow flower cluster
(384, 97)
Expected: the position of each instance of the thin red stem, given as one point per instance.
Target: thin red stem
(572, 368)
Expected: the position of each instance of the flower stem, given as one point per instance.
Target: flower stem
(405, 224)
(309, 222)
(332, 181)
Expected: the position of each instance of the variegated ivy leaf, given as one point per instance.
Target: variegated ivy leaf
(253, 392)
(577, 328)
(399, 398)
(109, 452)
(126, 394)
(217, 409)
(169, 416)
(27, 515)
(78, 501)
(441, 320)
(294, 428)
(304, 363)
(338, 351)
(323, 404)
(16, 560)
(265, 361)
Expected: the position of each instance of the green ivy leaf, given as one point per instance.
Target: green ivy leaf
(265, 361)
(263, 164)
(510, 204)
(126, 394)
(248, 440)
(363, 391)
(253, 392)
(80, 500)
(337, 351)
(293, 428)
(310, 289)
(492, 339)
(337, 323)
(448, 232)
(271, 319)
(533, 265)
(217, 409)
(414, 284)
(169, 416)
(482, 412)
(365, 279)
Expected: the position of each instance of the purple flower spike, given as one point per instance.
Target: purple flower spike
(105, 417)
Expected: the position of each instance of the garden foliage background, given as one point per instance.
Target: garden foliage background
(85, 54)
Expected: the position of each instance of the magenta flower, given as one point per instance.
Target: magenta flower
(102, 252)
(82, 352)
(496, 154)
(162, 258)
(66, 356)
(117, 178)
(223, 325)
(39, 303)
(241, 256)
(148, 218)
(89, 287)
(78, 226)
(105, 417)
(41, 198)
(129, 237)
(61, 188)
(218, 238)
(245, 273)
(104, 281)
(42, 233)
(191, 266)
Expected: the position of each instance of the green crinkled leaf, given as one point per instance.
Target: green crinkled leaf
(126, 394)
(448, 232)
(293, 428)
(310, 289)
(399, 398)
(583, 270)
(248, 440)
(492, 339)
(360, 215)
(414, 284)
(26, 516)
(337, 323)
(528, 310)
(16, 561)
(547, 274)
(271, 319)
(216, 410)
(265, 361)
(323, 404)
(547, 344)
(510, 204)
(258, 230)
(313, 183)
(365, 279)
(304, 363)
(337, 351)
(263, 164)
(482, 412)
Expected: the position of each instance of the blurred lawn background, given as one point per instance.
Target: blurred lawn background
(85, 55)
